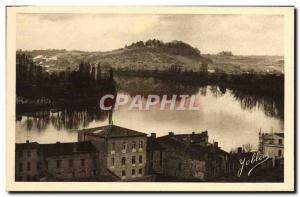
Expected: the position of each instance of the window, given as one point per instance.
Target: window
(20, 167)
(28, 166)
(20, 153)
(133, 145)
(71, 163)
(123, 173)
(112, 161)
(140, 159)
(179, 167)
(28, 178)
(133, 172)
(279, 153)
(133, 160)
(38, 152)
(38, 165)
(29, 154)
(46, 164)
(160, 158)
(113, 146)
(94, 172)
(95, 161)
(140, 171)
(280, 141)
(82, 162)
(141, 144)
(123, 160)
(124, 146)
(151, 155)
(58, 163)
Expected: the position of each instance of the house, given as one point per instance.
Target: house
(187, 157)
(155, 155)
(58, 161)
(272, 144)
(122, 151)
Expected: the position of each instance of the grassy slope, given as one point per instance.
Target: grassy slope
(233, 64)
(150, 59)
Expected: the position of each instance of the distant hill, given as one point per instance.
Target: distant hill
(243, 64)
(149, 55)
(155, 55)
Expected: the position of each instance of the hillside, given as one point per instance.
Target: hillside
(242, 64)
(156, 55)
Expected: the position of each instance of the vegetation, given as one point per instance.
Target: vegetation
(34, 83)
(225, 53)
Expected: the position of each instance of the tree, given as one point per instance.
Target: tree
(98, 71)
(248, 147)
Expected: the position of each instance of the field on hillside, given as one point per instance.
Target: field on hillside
(148, 59)
(256, 64)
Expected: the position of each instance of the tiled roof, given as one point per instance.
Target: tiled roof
(28, 145)
(68, 148)
(194, 151)
(59, 148)
(280, 134)
(112, 131)
(193, 137)
(153, 144)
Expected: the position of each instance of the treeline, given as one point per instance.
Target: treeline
(174, 47)
(33, 82)
(260, 83)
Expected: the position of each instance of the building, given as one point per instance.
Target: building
(272, 145)
(122, 151)
(56, 162)
(186, 157)
(155, 155)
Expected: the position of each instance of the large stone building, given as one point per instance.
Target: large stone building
(56, 162)
(272, 145)
(122, 151)
(186, 157)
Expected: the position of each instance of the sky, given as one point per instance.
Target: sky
(241, 34)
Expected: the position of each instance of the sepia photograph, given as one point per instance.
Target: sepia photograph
(116, 98)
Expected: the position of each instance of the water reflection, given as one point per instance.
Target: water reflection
(231, 116)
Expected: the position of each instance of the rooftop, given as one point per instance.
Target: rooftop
(67, 148)
(58, 148)
(112, 131)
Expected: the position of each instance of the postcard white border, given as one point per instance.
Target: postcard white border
(287, 185)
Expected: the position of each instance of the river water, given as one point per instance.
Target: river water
(231, 118)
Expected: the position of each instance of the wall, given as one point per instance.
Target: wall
(33, 159)
(117, 154)
(65, 171)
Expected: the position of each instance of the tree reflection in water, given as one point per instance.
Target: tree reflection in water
(80, 116)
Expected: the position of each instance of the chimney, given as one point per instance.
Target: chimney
(240, 150)
(216, 144)
(171, 134)
(27, 141)
(193, 133)
(153, 135)
(57, 142)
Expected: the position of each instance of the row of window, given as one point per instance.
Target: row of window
(20, 154)
(124, 145)
(28, 166)
(133, 173)
(123, 161)
(279, 141)
(58, 164)
(28, 177)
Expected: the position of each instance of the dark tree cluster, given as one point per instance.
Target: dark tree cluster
(33, 82)
(174, 47)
